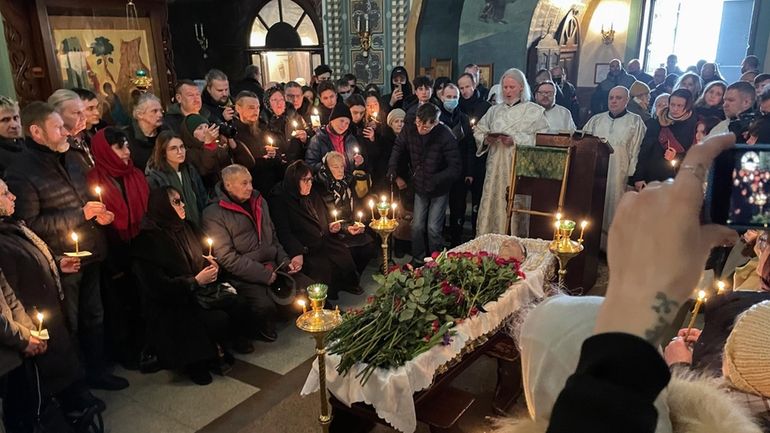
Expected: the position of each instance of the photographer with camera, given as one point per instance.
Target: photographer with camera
(738, 107)
(208, 146)
(216, 97)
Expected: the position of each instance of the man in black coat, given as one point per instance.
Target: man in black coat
(251, 81)
(52, 199)
(11, 138)
(436, 164)
(475, 107)
(567, 97)
(216, 97)
(188, 101)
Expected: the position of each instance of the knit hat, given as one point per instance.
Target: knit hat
(193, 121)
(322, 69)
(341, 110)
(638, 89)
(747, 351)
(395, 114)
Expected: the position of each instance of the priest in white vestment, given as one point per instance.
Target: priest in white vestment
(559, 118)
(624, 132)
(511, 123)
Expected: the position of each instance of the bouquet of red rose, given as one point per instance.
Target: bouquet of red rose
(415, 309)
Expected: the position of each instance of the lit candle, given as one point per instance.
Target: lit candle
(583, 226)
(360, 216)
(74, 237)
(674, 162)
(374, 116)
(371, 206)
(355, 150)
(334, 216)
(269, 141)
(98, 190)
(303, 304)
(394, 206)
(698, 302)
(558, 224)
(721, 287)
(294, 125)
(39, 322)
(473, 122)
(210, 242)
(315, 119)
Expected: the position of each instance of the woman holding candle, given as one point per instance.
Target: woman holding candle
(288, 129)
(168, 166)
(124, 191)
(336, 190)
(170, 263)
(336, 136)
(307, 234)
(34, 272)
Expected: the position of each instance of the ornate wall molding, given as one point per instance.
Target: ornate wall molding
(332, 19)
(399, 10)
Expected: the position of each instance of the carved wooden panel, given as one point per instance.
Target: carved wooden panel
(24, 59)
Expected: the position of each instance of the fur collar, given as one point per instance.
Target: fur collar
(696, 405)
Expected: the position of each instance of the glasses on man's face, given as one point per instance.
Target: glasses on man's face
(177, 201)
(308, 179)
(291, 97)
(539, 93)
(424, 125)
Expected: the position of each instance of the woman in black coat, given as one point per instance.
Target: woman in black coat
(305, 230)
(33, 272)
(170, 265)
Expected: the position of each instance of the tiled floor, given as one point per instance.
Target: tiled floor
(261, 393)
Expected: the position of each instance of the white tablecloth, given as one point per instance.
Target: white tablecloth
(390, 391)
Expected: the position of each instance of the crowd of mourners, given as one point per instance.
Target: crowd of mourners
(203, 221)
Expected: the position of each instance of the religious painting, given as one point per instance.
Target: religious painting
(368, 68)
(102, 54)
(366, 16)
(487, 75)
(601, 70)
(441, 67)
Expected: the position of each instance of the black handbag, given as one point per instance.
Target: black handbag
(216, 296)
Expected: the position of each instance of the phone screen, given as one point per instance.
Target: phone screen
(739, 188)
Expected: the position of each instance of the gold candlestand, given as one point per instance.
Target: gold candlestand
(384, 226)
(563, 247)
(318, 322)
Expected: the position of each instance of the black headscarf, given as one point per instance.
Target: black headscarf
(161, 215)
(294, 173)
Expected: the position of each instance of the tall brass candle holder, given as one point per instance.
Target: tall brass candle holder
(384, 226)
(563, 247)
(318, 322)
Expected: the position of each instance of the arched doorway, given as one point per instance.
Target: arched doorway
(285, 42)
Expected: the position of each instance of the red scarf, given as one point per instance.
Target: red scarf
(338, 142)
(108, 168)
(255, 203)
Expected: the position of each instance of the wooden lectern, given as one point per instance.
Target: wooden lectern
(587, 164)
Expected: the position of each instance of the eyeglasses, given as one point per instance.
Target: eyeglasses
(308, 179)
(424, 125)
(177, 148)
(544, 93)
(177, 201)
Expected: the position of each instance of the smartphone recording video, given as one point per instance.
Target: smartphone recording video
(739, 187)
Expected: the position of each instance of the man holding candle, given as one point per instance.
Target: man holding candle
(247, 247)
(52, 199)
(436, 164)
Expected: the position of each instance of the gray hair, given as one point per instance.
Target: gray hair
(332, 155)
(516, 74)
(142, 101)
(233, 170)
(7, 103)
(59, 97)
(450, 85)
(214, 74)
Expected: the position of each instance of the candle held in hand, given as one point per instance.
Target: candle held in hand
(98, 190)
(360, 216)
(698, 302)
(210, 243)
(75, 238)
(40, 322)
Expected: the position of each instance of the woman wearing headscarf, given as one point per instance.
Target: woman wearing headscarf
(710, 102)
(339, 194)
(640, 100)
(124, 192)
(168, 166)
(307, 232)
(33, 273)
(172, 270)
(692, 82)
(667, 141)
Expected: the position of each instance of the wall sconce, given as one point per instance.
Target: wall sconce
(202, 40)
(608, 37)
(364, 36)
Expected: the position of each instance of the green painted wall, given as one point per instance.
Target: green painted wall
(6, 77)
(633, 38)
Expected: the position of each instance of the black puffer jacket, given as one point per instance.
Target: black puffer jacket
(435, 158)
(51, 192)
(10, 149)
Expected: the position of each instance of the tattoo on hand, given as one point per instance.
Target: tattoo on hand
(664, 307)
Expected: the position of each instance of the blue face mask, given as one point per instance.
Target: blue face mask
(451, 104)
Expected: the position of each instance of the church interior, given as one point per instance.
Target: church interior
(349, 216)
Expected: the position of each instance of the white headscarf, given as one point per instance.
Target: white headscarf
(550, 340)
